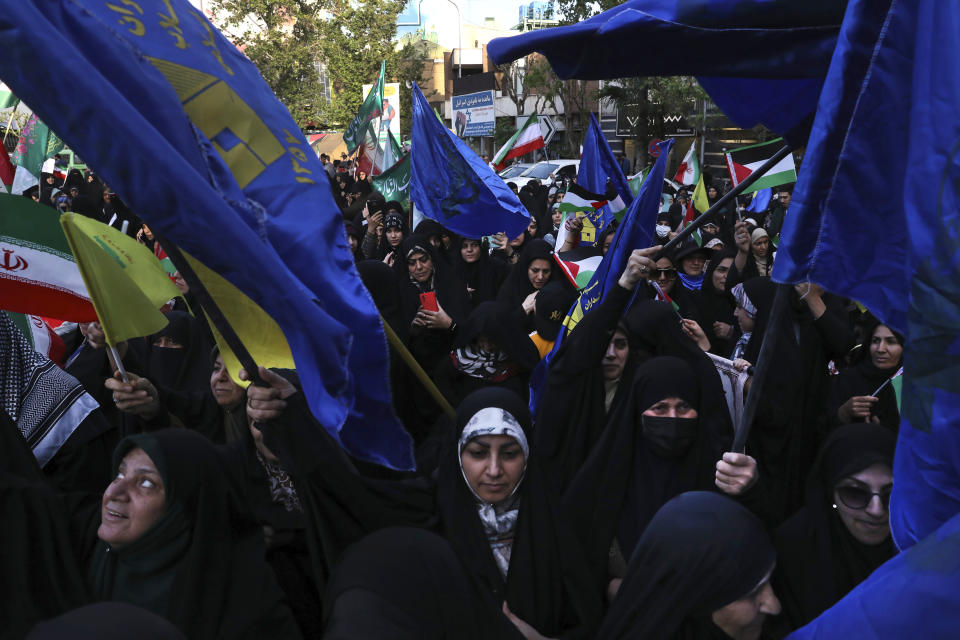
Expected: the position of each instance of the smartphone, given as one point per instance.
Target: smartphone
(429, 301)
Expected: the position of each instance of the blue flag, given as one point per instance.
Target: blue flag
(451, 184)
(182, 126)
(761, 200)
(875, 216)
(597, 165)
(637, 231)
(912, 595)
(764, 60)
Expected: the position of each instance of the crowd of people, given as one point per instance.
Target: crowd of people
(187, 505)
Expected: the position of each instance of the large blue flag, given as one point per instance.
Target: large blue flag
(764, 60)
(182, 126)
(635, 232)
(597, 165)
(876, 216)
(912, 595)
(454, 186)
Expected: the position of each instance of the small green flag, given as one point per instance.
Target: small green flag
(394, 183)
(37, 143)
(7, 99)
(371, 108)
(637, 181)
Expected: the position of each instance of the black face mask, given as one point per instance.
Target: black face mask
(669, 437)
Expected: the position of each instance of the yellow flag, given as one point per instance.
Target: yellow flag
(126, 282)
(258, 332)
(700, 201)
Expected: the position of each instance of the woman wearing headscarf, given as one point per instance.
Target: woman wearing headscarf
(653, 449)
(493, 503)
(861, 392)
(482, 273)
(754, 255)
(717, 306)
(422, 276)
(842, 533)
(491, 349)
(177, 357)
(701, 570)
(535, 268)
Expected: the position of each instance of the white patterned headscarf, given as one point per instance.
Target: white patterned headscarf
(499, 520)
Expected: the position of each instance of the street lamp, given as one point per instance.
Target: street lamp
(459, 36)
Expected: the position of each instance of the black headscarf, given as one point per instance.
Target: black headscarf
(517, 287)
(819, 561)
(547, 584)
(201, 564)
(701, 552)
(717, 305)
(862, 379)
(485, 276)
(407, 584)
(106, 621)
(624, 481)
(186, 369)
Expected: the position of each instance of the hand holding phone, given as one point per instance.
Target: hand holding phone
(429, 301)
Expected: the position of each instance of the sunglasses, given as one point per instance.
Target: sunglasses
(857, 498)
(665, 274)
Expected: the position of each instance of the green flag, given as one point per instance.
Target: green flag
(394, 183)
(37, 143)
(370, 109)
(7, 99)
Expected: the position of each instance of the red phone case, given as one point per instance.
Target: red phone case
(428, 301)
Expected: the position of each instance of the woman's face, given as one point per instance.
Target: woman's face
(394, 236)
(607, 241)
(885, 350)
(227, 392)
(516, 242)
(147, 233)
(557, 216)
(720, 274)
(133, 502)
(532, 226)
(671, 408)
(693, 264)
(761, 246)
(167, 342)
(743, 619)
(864, 515)
(470, 251)
(539, 273)
(711, 192)
(492, 466)
(744, 320)
(352, 239)
(420, 267)
(666, 274)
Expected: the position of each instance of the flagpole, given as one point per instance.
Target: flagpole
(727, 197)
(880, 388)
(418, 371)
(212, 310)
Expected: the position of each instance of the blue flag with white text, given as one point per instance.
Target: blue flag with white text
(453, 185)
(181, 124)
(637, 231)
(875, 216)
(597, 166)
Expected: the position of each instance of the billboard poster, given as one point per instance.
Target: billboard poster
(391, 109)
(473, 114)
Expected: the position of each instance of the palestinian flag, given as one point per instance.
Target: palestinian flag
(7, 99)
(41, 337)
(689, 170)
(578, 201)
(38, 273)
(745, 160)
(636, 181)
(662, 295)
(528, 138)
(578, 269)
(896, 381)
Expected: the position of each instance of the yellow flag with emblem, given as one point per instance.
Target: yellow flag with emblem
(258, 332)
(700, 201)
(126, 282)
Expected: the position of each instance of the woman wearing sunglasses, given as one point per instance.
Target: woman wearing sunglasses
(842, 534)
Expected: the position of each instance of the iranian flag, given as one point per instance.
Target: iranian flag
(745, 160)
(40, 336)
(662, 295)
(528, 138)
(38, 273)
(689, 170)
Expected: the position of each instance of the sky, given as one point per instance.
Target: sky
(441, 15)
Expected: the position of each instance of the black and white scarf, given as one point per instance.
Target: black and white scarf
(281, 486)
(46, 402)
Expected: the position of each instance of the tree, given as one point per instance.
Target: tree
(573, 11)
(289, 40)
(571, 98)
